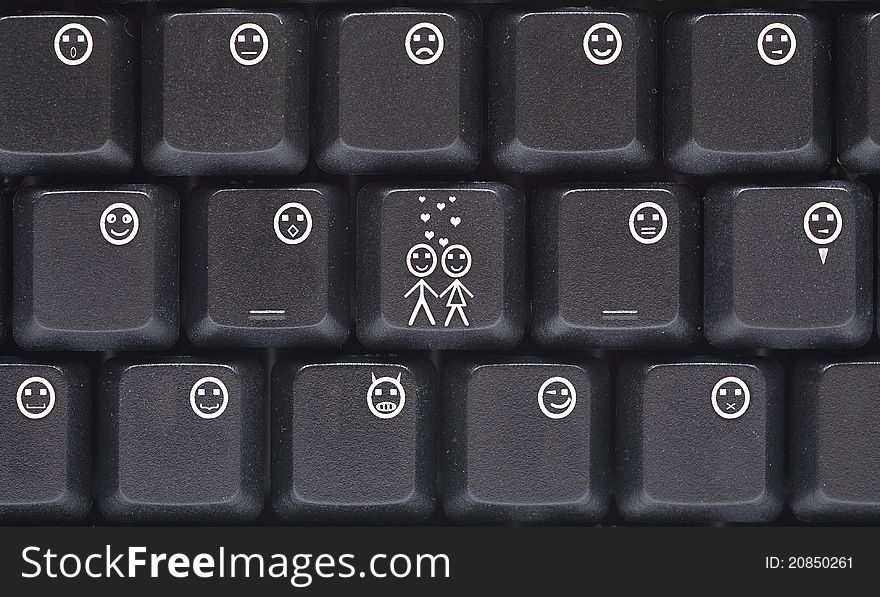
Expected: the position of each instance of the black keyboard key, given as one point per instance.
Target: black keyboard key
(399, 91)
(746, 91)
(858, 91)
(181, 440)
(835, 441)
(700, 441)
(789, 266)
(616, 267)
(226, 92)
(45, 429)
(96, 269)
(67, 100)
(526, 439)
(440, 267)
(353, 439)
(573, 90)
(268, 267)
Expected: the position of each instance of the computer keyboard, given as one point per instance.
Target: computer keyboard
(448, 264)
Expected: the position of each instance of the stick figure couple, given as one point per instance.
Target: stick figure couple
(456, 262)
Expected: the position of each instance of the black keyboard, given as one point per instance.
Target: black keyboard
(446, 264)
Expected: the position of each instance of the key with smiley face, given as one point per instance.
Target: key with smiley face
(96, 268)
(181, 440)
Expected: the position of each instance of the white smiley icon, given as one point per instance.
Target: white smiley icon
(776, 44)
(73, 44)
(119, 224)
(35, 397)
(292, 223)
(209, 398)
(557, 397)
(249, 44)
(424, 43)
(602, 43)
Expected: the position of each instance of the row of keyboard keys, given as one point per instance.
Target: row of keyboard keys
(398, 91)
(181, 439)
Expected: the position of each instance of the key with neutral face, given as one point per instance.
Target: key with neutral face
(268, 267)
(45, 433)
(225, 92)
(526, 440)
(746, 91)
(96, 269)
(616, 267)
(789, 266)
(353, 439)
(699, 441)
(835, 442)
(181, 439)
(440, 267)
(67, 102)
(399, 91)
(858, 121)
(573, 90)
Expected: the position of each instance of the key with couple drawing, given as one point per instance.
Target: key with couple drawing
(440, 267)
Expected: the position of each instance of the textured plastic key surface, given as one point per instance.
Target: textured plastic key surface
(858, 91)
(789, 266)
(746, 92)
(353, 440)
(52, 119)
(268, 267)
(181, 439)
(226, 92)
(526, 439)
(699, 441)
(573, 91)
(440, 267)
(616, 267)
(399, 92)
(45, 430)
(96, 269)
(835, 448)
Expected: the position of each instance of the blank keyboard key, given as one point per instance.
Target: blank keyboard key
(700, 441)
(399, 92)
(181, 440)
(268, 267)
(789, 266)
(526, 440)
(835, 441)
(440, 267)
(226, 92)
(573, 91)
(616, 267)
(96, 269)
(858, 84)
(746, 92)
(45, 430)
(353, 440)
(67, 102)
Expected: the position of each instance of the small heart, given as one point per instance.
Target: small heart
(452, 199)
(455, 221)
(422, 199)
(426, 217)
(443, 242)
(441, 206)
(429, 234)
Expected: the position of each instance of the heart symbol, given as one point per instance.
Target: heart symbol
(441, 206)
(452, 199)
(429, 234)
(426, 217)
(443, 242)
(422, 199)
(455, 221)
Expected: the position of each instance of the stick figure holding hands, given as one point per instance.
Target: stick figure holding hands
(456, 262)
(421, 261)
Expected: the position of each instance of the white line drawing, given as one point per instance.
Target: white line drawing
(553, 390)
(209, 398)
(35, 397)
(421, 261)
(424, 43)
(456, 263)
(626, 314)
(119, 224)
(734, 397)
(292, 223)
(602, 43)
(823, 223)
(648, 223)
(386, 396)
(73, 44)
(249, 44)
(267, 311)
(267, 314)
(776, 44)
(455, 221)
